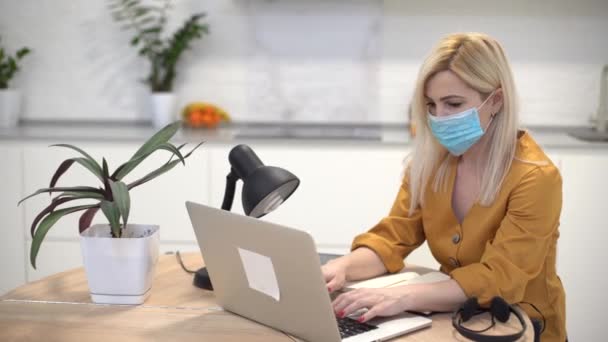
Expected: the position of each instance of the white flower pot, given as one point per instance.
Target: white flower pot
(10, 106)
(120, 271)
(162, 106)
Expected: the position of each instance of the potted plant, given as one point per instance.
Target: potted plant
(119, 257)
(10, 99)
(163, 53)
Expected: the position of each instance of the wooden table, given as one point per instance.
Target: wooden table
(58, 308)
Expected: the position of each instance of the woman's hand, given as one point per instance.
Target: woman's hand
(334, 273)
(362, 263)
(379, 302)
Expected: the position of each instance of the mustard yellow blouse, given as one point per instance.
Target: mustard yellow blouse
(507, 249)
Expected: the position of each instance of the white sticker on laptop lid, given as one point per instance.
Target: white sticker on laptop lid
(260, 273)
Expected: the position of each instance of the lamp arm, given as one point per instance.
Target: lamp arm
(231, 179)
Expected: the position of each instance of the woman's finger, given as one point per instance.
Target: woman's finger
(366, 301)
(334, 284)
(337, 304)
(345, 299)
(327, 274)
(374, 311)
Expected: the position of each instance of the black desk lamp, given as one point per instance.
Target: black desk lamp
(264, 189)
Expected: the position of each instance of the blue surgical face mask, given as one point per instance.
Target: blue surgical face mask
(458, 132)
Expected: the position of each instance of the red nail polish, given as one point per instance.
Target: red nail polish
(341, 314)
(360, 319)
(329, 289)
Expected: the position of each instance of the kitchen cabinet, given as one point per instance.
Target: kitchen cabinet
(582, 243)
(12, 249)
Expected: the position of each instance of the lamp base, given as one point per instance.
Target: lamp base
(202, 280)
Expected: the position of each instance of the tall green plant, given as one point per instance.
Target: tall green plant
(9, 66)
(111, 196)
(163, 53)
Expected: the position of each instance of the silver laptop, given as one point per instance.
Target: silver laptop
(272, 274)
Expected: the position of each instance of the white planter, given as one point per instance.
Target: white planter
(162, 106)
(120, 271)
(10, 106)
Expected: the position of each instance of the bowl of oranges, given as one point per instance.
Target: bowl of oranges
(204, 115)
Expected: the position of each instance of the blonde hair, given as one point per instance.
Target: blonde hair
(480, 62)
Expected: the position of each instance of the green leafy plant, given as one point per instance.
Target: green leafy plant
(9, 66)
(112, 196)
(163, 53)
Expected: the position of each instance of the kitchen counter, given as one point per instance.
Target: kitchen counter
(387, 134)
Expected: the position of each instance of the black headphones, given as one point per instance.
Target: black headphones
(499, 309)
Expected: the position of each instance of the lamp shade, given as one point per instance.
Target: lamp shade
(264, 187)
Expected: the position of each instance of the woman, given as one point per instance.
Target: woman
(482, 193)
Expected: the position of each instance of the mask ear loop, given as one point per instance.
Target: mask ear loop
(491, 116)
(486, 100)
(490, 122)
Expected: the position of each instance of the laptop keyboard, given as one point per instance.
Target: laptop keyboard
(349, 327)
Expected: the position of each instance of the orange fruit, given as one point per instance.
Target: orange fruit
(202, 114)
(209, 118)
(195, 118)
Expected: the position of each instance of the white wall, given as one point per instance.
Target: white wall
(305, 60)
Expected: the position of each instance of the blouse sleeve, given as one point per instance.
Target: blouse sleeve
(518, 251)
(397, 234)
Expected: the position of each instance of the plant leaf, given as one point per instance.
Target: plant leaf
(106, 176)
(194, 149)
(145, 20)
(44, 227)
(91, 166)
(129, 164)
(88, 189)
(22, 52)
(154, 29)
(120, 193)
(63, 167)
(179, 148)
(171, 148)
(61, 199)
(66, 164)
(85, 220)
(104, 170)
(157, 139)
(45, 211)
(110, 210)
(154, 143)
(81, 195)
(166, 167)
(79, 150)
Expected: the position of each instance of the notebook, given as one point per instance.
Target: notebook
(402, 278)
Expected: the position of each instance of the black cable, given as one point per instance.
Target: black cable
(181, 263)
(540, 313)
